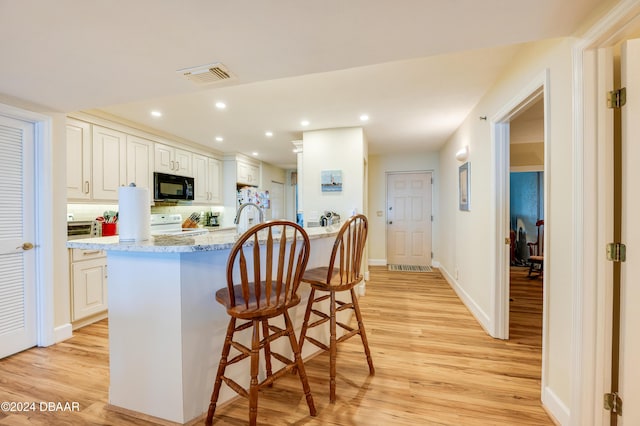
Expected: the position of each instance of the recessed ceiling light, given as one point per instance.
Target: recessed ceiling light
(221, 105)
(364, 117)
(304, 122)
(268, 134)
(255, 154)
(219, 138)
(156, 113)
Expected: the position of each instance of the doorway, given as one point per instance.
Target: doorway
(409, 198)
(536, 93)
(526, 218)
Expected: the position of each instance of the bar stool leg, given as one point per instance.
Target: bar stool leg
(299, 364)
(363, 335)
(333, 350)
(221, 368)
(307, 316)
(255, 363)
(267, 349)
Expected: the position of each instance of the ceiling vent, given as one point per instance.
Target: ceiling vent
(206, 74)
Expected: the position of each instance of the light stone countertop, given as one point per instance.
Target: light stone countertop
(219, 240)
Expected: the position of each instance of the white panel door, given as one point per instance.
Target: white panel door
(17, 231)
(630, 273)
(409, 218)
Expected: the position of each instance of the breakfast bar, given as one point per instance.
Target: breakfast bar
(165, 329)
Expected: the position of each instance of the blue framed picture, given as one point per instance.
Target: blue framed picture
(331, 180)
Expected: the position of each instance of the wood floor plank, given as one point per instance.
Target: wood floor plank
(434, 366)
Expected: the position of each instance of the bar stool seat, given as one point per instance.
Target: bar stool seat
(264, 270)
(342, 274)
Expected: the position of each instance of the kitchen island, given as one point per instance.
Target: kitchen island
(166, 329)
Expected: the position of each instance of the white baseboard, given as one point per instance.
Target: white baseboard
(378, 262)
(473, 307)
(62, 332)
(555, 407)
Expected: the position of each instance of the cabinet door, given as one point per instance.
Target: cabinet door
(254, 175)
(109, 163)
(78, 160)
(214, 168)
(89, 280)
(139, 162)
(164, 162)
(201, 178)
(183, 162)
(243, 172)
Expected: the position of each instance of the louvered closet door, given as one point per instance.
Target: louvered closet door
(17, 232)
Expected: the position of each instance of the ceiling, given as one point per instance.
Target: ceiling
(415, 67)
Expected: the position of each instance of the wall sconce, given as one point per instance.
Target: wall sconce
(463, 153)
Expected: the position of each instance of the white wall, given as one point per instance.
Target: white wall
(333, 149)
(379, 166)
(468, 244)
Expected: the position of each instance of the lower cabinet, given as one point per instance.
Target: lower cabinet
(88, 286)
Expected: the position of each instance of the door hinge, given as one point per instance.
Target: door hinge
(431, 218)
(432, 255)
(616, 252)
(617, 98)
(613, 403)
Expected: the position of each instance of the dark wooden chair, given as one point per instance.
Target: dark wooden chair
(342, 274)
(536, 250)
(262, 283)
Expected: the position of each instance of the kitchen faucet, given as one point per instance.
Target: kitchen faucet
(237, 218)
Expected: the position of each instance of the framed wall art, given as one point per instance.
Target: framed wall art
(331, 180)
(463, 177)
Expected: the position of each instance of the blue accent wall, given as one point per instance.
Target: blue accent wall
(526, 207)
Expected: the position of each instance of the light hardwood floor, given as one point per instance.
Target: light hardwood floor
(434, 366)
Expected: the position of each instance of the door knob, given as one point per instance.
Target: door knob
(26, 246)
(390, 222)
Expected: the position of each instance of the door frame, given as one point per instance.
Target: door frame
(537, 89)
(43, 151)
(593, 227)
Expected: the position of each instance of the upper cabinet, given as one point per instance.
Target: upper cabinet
(140, 162)
(247, 173)
(78, 160)
(172, 160)
(109, 162)
(207, 173)
(100, 160)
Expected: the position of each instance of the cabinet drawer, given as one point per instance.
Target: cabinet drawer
(79, 254)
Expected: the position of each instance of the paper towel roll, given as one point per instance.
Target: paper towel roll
(134, 213)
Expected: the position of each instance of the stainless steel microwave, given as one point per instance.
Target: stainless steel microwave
(172, 187)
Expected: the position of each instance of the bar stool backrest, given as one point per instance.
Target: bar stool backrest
(345, 265)
(264, 268)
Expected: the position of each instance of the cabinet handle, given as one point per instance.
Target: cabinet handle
(89, 253)
(86, 185)
(173, 165)
(106, 275)
(177, 165)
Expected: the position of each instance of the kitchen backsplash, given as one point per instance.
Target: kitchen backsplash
(91, 211)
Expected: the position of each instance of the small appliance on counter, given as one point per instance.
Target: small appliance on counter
(211, 219)
(329, 218)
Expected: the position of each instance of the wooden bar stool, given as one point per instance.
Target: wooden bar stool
(262, 283)
(342, 274)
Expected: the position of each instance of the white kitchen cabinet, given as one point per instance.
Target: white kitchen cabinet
(88, 283)
(109, 162)
(140, 162)
(207, 173)
(173, 160)
(78, 160)
(248, 174)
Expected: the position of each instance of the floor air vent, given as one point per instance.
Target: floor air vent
(409, 268)
(206, 74)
